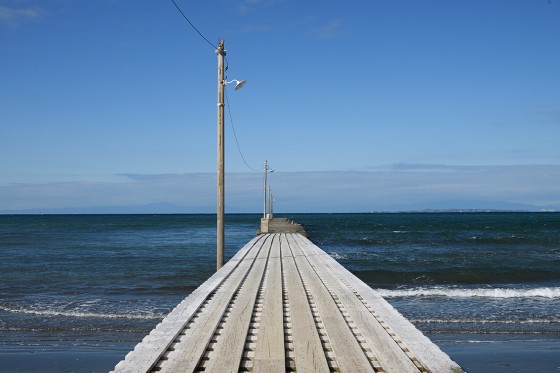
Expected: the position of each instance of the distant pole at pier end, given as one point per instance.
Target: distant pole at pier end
(264, 188)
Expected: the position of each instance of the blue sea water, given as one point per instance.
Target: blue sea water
(73, 287)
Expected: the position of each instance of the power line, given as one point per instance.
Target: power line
(235, 135)
(227, 100)
(190, 23)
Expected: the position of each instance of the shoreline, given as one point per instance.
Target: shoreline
(502, 356)
(521, 356)
(62, 357)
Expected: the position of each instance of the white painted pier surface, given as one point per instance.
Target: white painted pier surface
(281, 304)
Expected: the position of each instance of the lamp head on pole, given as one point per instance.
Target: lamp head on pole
(238, 84)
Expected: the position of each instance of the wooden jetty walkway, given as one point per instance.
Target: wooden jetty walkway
(281, 304)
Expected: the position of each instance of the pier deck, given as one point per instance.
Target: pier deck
(281, 304)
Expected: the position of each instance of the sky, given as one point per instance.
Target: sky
(373, 105)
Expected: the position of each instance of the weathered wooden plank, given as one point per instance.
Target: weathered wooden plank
(308, 351)
(294, 248)
(269, 351)
(146, 353)
(348, 353)
(303, 266)
(386, 350)
(188, 353)
(427, 352)
(228, 349)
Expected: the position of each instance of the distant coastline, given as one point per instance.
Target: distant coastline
(142, 212)
(481, 210)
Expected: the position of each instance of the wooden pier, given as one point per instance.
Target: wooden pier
(281, 304)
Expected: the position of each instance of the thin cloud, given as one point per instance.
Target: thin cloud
(248, 6)
(328, 30)
(412, 167)
(550, 114)
(256, 28)
(14, 17)
(556, 116)
(404, 188)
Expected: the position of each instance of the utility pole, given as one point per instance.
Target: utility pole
(220, 52)
(264, 189)
(270, 212)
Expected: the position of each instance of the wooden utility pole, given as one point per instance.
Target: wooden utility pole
(264, 188)
(221, 52)
(270, 212)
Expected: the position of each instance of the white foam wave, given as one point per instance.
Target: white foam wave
(337, 256)
(546, 292)
(72, 313)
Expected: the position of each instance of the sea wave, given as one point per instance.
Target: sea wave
(544, 292)
(74, 313)
(338, 256)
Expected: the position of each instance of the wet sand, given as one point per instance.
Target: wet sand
(61, 358)
(487, 357)
(502, 357)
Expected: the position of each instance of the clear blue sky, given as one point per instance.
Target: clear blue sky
(358, 106)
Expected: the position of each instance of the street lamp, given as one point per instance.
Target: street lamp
(238, 83)
(266, 170)
(221, 52)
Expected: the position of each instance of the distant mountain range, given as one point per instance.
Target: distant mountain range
(168, 208)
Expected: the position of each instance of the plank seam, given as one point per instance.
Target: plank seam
(163, 335)
(177, 357)
(287, 319)
(201, 366)
(388, 329)
(247, 360)
(368, 352)
(325, 343)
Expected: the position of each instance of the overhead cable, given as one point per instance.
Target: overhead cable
(193, 26)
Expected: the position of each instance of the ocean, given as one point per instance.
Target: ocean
(77, 292)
